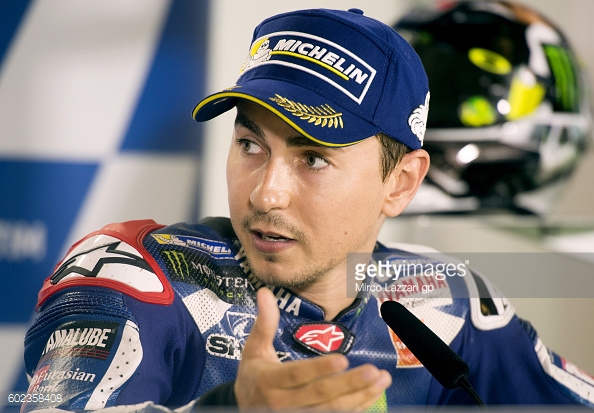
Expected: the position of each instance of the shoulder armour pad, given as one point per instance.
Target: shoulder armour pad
(113, 257)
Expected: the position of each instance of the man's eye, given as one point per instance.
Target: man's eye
(248, 146)
(314, 161)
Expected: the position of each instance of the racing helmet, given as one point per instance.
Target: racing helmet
(510, 106)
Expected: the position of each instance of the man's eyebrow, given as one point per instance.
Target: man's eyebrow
(299, 141)
(243, 120)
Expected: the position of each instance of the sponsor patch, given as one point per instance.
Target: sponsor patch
(222, 345)
(406, 359)
(97, 261)
(241, 324)
(319, 57)
(93, 339)
(432, 312)
(63, 380)
(38, 377)
(324, 338)
(231, 347)
(189, 267)
(178, 265)
(216, 249)
(106, 258)
(96, 363)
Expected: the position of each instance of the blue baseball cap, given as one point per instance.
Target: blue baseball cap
(337, 77)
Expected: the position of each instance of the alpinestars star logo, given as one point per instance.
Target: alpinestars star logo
(324, 338)
(90, 263)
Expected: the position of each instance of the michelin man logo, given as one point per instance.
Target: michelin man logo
(259, 52)
(418, 120)
(169, 239)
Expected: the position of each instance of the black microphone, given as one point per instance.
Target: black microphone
(443, 363)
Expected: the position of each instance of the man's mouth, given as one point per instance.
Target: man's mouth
(271, 234)
(271, 242)
(271, 237)
(274, 239)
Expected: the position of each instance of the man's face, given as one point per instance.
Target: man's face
(299, 208)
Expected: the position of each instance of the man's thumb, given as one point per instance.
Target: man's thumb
(259, 342)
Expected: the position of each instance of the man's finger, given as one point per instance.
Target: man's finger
(297, 373)
(260, 340)
(363, 381)
(349, 390)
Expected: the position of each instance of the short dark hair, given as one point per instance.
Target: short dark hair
(391, 154)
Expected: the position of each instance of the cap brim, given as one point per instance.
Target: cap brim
(340, 128)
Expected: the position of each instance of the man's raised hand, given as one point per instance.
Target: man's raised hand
(321, 382)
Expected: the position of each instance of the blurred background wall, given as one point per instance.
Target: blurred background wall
(95, 127)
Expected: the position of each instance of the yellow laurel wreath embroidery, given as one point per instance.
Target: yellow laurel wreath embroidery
(322, 115)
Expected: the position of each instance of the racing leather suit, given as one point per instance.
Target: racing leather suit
(142, 312)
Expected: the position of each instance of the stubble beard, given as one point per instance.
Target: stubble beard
(299, 281)
(302, 278)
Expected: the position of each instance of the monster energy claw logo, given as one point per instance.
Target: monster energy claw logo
(177, 263)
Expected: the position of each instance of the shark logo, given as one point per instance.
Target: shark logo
(241, 324)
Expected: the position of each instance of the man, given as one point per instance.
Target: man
(331, 112)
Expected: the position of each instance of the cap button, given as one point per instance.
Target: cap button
(356, 11)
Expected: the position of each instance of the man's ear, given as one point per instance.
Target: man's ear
(404, 180)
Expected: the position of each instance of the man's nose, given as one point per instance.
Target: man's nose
(273, 190)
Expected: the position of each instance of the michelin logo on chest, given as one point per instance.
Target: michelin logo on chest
(216, 249)
(315, 55)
